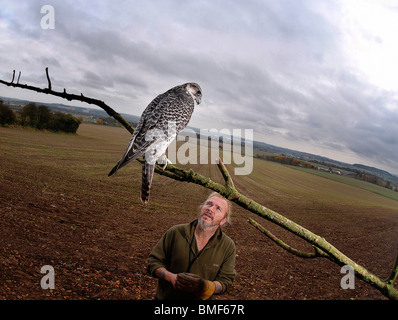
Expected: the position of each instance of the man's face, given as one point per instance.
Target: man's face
(213, 213)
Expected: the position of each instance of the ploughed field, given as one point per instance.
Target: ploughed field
(58, 207)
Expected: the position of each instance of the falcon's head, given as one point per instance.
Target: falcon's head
(195, 91)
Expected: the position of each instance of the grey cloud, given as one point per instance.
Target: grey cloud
(274, 66)
(49, 61)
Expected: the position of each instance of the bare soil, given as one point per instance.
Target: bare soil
(58, 208)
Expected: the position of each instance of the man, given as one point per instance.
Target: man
(195, 260)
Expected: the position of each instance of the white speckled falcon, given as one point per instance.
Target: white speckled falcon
(161, 121)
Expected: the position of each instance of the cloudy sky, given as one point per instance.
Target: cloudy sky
(311, 75)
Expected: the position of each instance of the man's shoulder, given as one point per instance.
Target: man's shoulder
(182, 228)
(227, 241)
(177, 227)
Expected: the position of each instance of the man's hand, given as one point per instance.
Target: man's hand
(201, 288)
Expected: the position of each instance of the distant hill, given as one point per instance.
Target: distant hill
(91, 115)
(320, 161)
(377, 172)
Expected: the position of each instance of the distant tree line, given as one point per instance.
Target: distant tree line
(287, 160)
(363, 175)
(357, 174)
(39, 117)
(108, 121)
(374, 179)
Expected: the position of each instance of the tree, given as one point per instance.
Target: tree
(64, 122)
(44, 116)
(7, 116)
(30, 115)
(322, 248)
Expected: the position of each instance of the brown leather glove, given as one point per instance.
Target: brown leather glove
(201, 288)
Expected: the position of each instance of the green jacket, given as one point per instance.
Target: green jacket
(177, 252)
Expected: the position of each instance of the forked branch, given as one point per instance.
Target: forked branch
(306, 255)
(322, 248)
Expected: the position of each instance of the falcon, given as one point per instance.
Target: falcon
(161, 121)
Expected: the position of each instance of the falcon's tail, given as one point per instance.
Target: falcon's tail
(132, 153)
(113, 171)
(147, 175)
(124, 161)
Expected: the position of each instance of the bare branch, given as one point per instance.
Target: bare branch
(13, 76)
(19, 76)
(71, 97)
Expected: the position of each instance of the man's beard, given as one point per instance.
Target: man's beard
(205, 225)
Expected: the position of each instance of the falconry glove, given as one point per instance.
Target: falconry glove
(201, 288)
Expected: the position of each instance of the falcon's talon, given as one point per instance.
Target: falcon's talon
(163, 160)
(167, 162)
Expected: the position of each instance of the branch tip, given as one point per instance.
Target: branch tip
(224, 171)
(48, 79)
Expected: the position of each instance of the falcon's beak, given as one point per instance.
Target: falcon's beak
(197, 99)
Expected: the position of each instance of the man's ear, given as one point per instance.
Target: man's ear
(223, 221)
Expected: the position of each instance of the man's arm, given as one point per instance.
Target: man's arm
(164, 274)
(227, 273)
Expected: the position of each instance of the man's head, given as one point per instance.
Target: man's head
(214, 212)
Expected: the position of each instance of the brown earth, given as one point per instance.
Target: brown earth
(58, 208)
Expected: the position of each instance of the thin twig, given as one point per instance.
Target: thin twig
(48, 79)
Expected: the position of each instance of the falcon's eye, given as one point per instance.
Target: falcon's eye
(198, 92)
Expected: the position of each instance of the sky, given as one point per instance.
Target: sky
(311, 75)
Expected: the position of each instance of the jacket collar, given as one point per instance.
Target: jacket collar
(190, 230)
